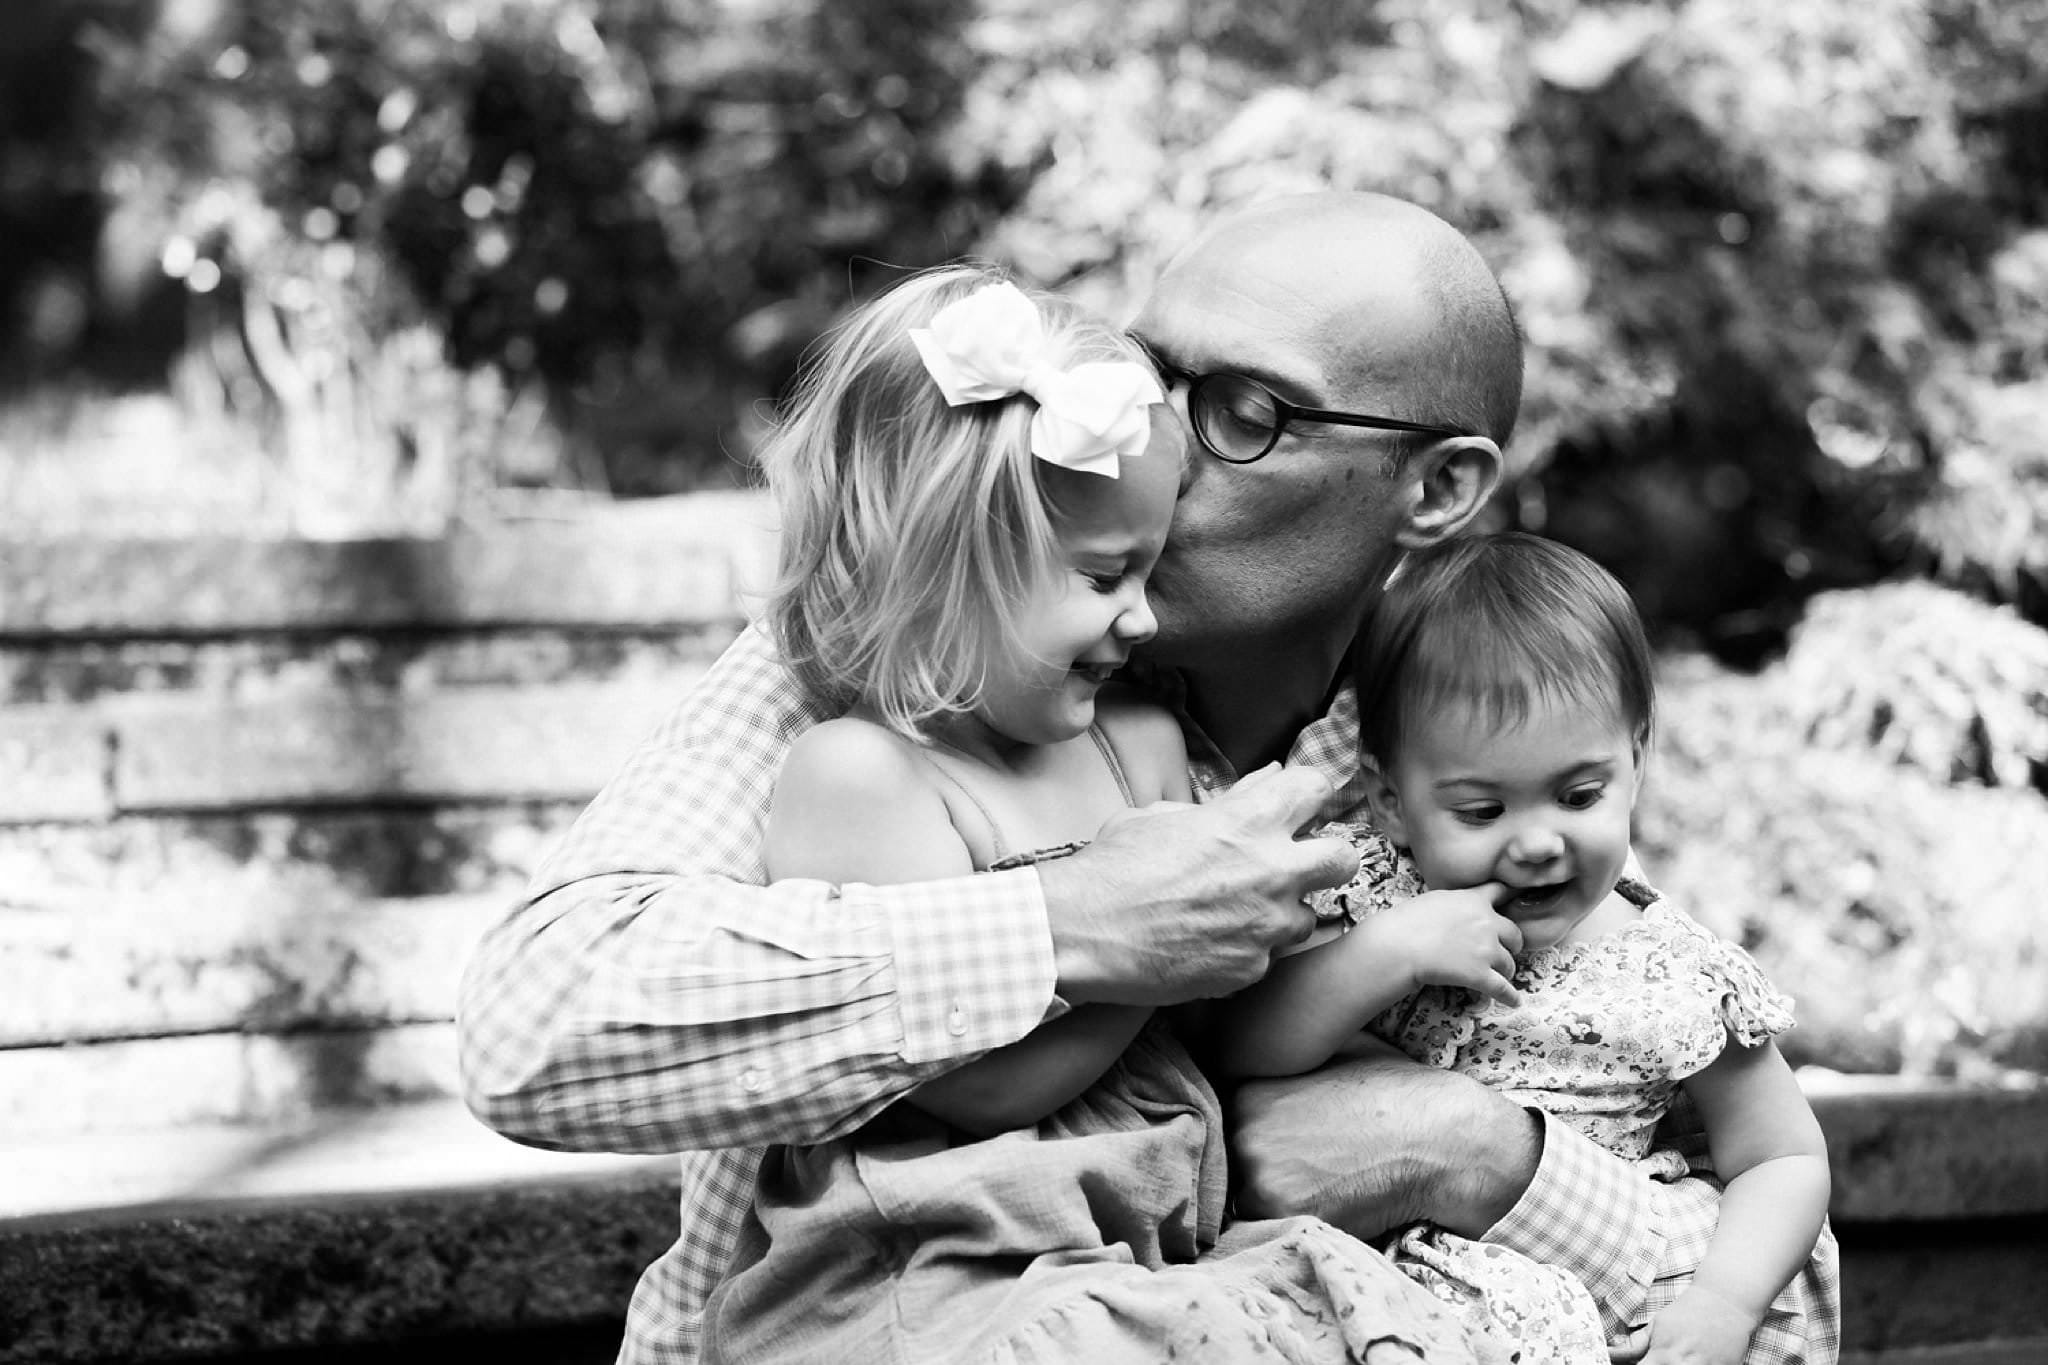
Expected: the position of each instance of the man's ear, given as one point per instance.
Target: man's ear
(1450, 482)
(1385, 804)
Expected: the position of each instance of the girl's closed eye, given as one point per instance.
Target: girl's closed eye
(1583, 797)
(1484, 813)
(1104, 582)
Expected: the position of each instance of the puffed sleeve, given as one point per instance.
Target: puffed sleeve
(1753, 1010)
(1386, 876)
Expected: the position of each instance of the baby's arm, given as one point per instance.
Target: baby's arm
(1313, 1002)
(853, 804)
(1768, 1147)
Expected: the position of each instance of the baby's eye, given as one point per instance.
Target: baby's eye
(1104, 582)
(1483, 814)
(1579, 798)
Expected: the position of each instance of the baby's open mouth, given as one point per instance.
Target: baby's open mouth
(1536, 897)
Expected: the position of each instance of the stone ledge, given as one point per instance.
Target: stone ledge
(413, 1229)
(234, 1277)
(1903, 1150)
(351, 1229)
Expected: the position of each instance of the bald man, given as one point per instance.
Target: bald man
(1383, 318)
(1349, 369)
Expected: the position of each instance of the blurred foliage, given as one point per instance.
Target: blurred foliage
(1902, 911)
(642, 208)
(1783, 269)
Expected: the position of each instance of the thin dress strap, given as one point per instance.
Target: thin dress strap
(999, 848)
(1116, 767)
(1005, 860)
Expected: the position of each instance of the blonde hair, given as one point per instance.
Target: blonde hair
(912, 533)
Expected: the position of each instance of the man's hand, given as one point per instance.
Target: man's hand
(1173, 903)
(1374, 1141)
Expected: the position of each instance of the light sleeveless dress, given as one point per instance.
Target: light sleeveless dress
(1093, 1237)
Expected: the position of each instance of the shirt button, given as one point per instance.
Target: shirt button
(956, 1021)
(751, 1080)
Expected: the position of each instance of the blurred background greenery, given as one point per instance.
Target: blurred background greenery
(331, 267)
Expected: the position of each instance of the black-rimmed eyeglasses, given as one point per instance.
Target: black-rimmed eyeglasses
(1238, 419)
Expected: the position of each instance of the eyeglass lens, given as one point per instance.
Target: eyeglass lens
(1235, 417)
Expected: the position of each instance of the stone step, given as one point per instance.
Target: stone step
(430, 1144)
(62, 1093)
(179, 752)
(91, 973)
(669, 562)
(247, 667)
(292, 859)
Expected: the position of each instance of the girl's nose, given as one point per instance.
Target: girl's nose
(1136, 624)
(1535, 845)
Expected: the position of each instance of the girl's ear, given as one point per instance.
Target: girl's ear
(1641, 755)
(1385, 804)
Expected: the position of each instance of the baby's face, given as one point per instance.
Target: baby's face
(1542, 806)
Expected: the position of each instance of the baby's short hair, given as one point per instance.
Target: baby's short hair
(911, 532)
(1500, 623)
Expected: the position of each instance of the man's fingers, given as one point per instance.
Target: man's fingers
(1497, 893)
(1301, 922)
(1289, 797)
(1326, 862)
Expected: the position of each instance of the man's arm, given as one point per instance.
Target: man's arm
(652, 996)
(1375, 1141)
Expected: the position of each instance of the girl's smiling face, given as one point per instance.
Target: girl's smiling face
(1541, 805)
(1081, 625)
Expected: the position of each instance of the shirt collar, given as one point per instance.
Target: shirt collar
(1329, 744)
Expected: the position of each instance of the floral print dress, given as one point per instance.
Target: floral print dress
(1606, 1032)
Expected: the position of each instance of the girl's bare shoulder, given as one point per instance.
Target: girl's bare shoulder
(1148, 742)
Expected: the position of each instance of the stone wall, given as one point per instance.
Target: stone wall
(257, 798)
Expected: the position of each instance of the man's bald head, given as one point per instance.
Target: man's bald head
(1353, 303)
(1405, 305)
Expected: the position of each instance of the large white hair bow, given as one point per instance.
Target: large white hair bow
(992, 344)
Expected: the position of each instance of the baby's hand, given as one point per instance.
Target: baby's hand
(1457, 938)
(1699, 1328)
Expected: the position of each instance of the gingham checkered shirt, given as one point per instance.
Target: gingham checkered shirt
(652, 996)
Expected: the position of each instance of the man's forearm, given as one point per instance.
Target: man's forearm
(653, 1014)
(1374, 1141)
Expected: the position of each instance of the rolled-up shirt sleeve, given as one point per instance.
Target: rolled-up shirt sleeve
(1589, 1212)
(651, 995)
(1635, 1242)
